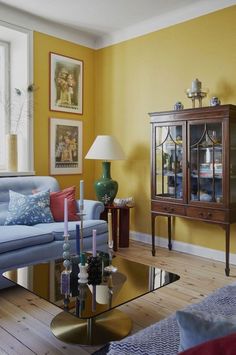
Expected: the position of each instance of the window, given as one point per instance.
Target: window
(15, 79)
(4, 98)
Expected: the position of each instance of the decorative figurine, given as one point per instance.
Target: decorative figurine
(178, 106)
(215, 101)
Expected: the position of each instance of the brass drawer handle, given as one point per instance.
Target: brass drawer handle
(209, 214)
(169, 209)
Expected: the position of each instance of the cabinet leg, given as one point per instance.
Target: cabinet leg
(169, 233)
(153, 235)
(227, 244)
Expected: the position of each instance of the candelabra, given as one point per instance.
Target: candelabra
(110, 267)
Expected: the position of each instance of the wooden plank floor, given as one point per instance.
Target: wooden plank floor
(25, 318)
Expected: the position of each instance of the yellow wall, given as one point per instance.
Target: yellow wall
(43, 45)
(122, 83)
(151, 73)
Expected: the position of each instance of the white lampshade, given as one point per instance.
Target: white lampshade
(105, 148)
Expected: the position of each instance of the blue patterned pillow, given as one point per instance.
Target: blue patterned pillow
(29, 209)
(197, 327)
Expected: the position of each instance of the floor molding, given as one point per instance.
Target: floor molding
(184, 247)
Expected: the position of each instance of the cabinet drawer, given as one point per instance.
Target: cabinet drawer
(207, 214)
(168, 208)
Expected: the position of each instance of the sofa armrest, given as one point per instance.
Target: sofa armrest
(92, 209)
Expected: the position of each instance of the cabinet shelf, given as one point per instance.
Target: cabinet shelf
(216, 147)
(169, 174)
(207, 176)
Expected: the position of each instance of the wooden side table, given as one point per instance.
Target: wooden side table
(121, 217)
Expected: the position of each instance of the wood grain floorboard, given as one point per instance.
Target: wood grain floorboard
(25, 318)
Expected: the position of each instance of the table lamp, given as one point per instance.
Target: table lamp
(105, 148)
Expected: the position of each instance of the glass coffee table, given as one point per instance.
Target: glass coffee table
(90, 315)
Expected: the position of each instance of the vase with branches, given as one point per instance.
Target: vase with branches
(18, 108)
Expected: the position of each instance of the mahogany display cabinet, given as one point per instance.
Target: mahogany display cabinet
(193, 168)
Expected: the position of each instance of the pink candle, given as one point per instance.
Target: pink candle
(94, 242)
(65, 217)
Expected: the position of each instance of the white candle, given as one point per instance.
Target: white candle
(65, 217)
(81, 200)
(110, 239)
(94, 242)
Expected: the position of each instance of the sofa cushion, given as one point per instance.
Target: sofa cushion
(57, 204)
(221, 346)
(18, 237)
(196, 327)
(24, 185)
(88, 226)
(29, 209)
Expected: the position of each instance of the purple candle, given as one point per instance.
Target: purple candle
(65, 217)
(94, 242)
(77, 239)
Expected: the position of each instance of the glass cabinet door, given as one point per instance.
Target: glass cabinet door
(232, 170)
(205, 162)
(168, 161)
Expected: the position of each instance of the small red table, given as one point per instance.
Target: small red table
(121, 215)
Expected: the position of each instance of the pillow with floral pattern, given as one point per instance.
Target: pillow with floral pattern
(29, 209)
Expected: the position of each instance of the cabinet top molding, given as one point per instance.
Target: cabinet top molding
(199, 113)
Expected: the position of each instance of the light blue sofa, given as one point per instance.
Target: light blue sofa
(22, 245)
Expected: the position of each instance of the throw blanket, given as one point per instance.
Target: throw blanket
(162, 338)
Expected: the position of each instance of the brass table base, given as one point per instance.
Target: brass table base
(112, 325)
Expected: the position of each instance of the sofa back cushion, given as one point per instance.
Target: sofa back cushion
(23, 185)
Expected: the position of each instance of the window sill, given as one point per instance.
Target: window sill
(16, 173)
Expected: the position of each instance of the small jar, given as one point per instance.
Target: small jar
(215, 101)
(178, 106)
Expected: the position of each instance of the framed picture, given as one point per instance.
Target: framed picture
(66, 84)
(65, 146)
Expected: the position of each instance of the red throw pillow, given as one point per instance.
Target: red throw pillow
(57, 204)
(220, 346)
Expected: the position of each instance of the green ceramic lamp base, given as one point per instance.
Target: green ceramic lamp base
(106, 188)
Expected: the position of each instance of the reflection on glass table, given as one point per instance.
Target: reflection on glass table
(90, 311)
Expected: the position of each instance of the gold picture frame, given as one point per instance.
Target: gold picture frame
(66, 84)
(65, 146)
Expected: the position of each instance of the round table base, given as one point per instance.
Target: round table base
(112, 325)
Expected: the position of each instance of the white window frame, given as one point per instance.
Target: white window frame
(27, 153)
(4, 98)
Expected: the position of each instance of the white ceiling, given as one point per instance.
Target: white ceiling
(105, 19)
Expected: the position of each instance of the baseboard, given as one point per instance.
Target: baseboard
(184, 247)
